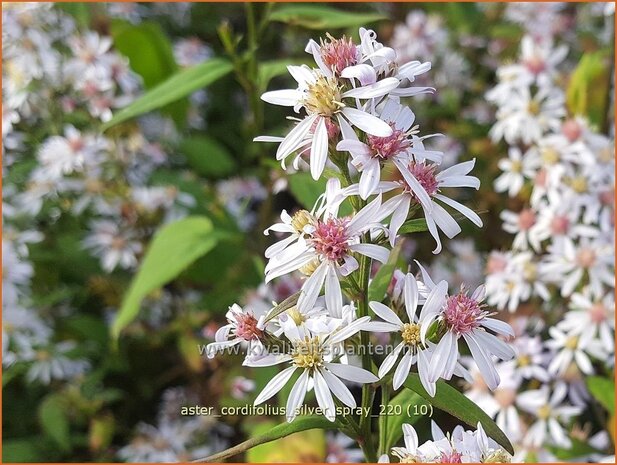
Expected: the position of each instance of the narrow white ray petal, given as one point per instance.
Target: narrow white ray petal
(319, 149)
(385, 313)
(390, 360)
(374, 90)
(339, 389)
(352, 373)
(347, 331)
(367, 123)
(311, 288)
(334, 296)
(369, 179)
(275, 385)
(285, 97)
(483, 361)
(324, 398)
(296, 396)
(468, 212)
(441, 355)
(410, 290)
(293, 140)
(373, 251)
(411, 438)
(402, 370)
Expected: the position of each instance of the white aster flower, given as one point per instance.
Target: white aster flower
(314, 356)
(463, 316)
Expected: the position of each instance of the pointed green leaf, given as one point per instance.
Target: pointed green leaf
(456, 404)
(279, 431)
(603, 390)
(179, 85)
(379, 284)
(53, 419)
(412, 226)
(395, 422)
(174, 247)
(322, 17)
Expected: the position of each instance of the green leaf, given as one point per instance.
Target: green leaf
(578, 449)
(283, 306)
(395, 422)
(456, 404)
(174, 247)
(279, 431)
(148, 49)
(271, 69)
(305, 189)
(208, 157)
(322, 17)
(53, 419)
(588, 90)
(303, 446)
(603, 390)
(22, 450)
(412, 226)
(179, 85)
(379, 284)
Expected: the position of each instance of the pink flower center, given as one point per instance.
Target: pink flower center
(338, 54)
(496, 263)
(387, 147)
(526, 219)
(586, 257)
(330, 238)
(540, 179)
(425, 175)
(462, 313)
(246, 327)
(535, 64)
(560, 225)
(598, 312)
(571, 129)
(451, 457)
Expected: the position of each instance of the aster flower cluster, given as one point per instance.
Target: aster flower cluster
(560, 169)
(353, 128)
(58, 85)
(460, 446)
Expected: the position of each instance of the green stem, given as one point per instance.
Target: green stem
(383, 419)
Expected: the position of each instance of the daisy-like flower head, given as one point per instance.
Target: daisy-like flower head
(413, 348)
(315, 354)
(326, 251)
(243, 326)
(400, 147)
(327, 101)
(462, 316)
(422, 185)
(550, 413)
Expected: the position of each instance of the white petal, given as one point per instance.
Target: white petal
(275, 385)
(377, 89)
(339, 389)
(468, 212)
(367, 123)
(324, 398)
(373, 251)
(352, 373)
(311, 288)
(410, 290)
(296, 395)
(390, 360)
(285, 97)
(369, 179)
(334, 297)
(483, 361)
(385, 313)
(402, 370)
(319, 149)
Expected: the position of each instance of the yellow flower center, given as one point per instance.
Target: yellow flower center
(307, 353)
(301, 219)
(516, 166)
(544, 412)
(534, 107)
(579, 184)
(310, 267)
(323, 97)
(571, 343)
(524, 360)
(295, 315)
(411, 334)
(498, 456)
(550, 156)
